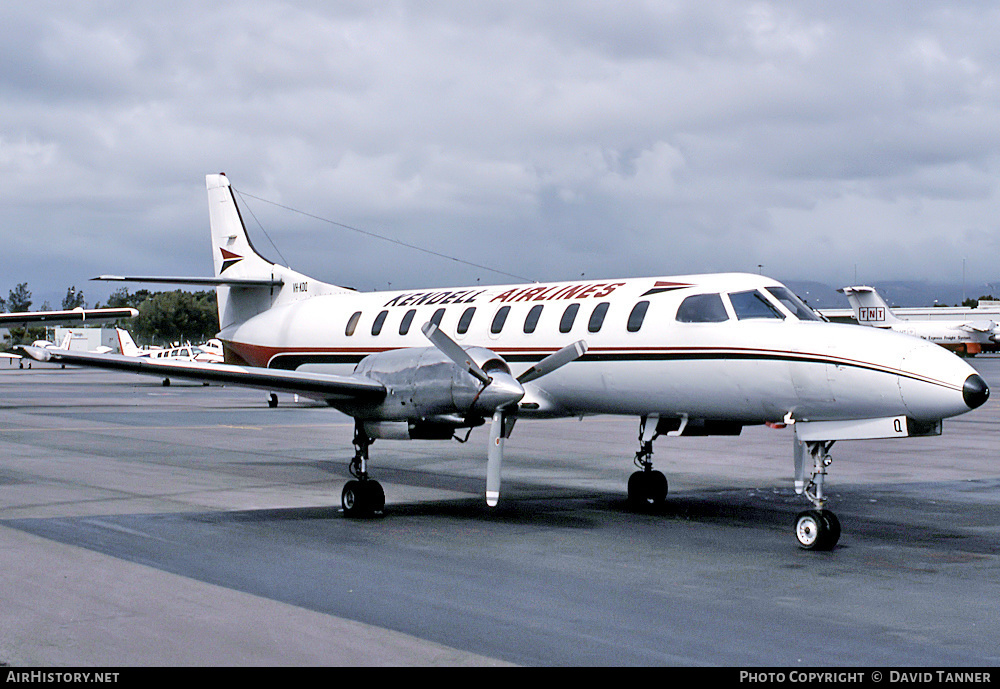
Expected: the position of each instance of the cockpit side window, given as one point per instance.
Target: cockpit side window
(702, 308)
(752, 304)
(791, 302)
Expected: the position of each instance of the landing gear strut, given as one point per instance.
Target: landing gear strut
(818, 528)
(646, 488)
(363, 496)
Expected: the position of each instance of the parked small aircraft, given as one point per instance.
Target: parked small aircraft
(208, 352)
(967, 337)
(692, 355)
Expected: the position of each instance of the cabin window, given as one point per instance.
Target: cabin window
(702, 308)
(436, 318)
(499, 320)
(466, 320)
(791, 302)
(569, 315)
(379, 322)
(531, 321)
(404, 325)
(752, 304)
(637, 316)
(352, 323)
(597, 317)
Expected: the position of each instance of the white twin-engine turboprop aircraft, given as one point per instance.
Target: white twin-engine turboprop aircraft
(688, 355)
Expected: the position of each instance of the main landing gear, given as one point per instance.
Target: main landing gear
(818, 528)
(364, 496)
(647, 488)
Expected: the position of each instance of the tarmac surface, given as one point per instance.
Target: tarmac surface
(143, 525)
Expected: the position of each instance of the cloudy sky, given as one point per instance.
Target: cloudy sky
(543, 139)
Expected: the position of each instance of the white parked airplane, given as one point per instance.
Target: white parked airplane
(966, 337)
(689, 355)
(209, 352)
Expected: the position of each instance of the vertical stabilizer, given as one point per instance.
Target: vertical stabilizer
(235, 257)
(126, 345)
(869, 308)
(232, 253)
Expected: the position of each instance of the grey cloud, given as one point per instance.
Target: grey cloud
(549, 139)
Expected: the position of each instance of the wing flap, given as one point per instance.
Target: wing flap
(325, 386)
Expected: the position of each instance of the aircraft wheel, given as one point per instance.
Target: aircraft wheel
(272, 400)
(376, 496)
(817, 529)
(833, 527)
(352, 499)
(362, 498)
(647, 489)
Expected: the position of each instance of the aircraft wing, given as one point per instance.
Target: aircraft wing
(24, 319)
(979, 327)
(325, 386)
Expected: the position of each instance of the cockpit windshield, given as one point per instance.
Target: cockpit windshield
(752, 304)
(702, 308)
(791, 302)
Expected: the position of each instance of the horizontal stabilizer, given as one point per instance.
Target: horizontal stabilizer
(206, 281)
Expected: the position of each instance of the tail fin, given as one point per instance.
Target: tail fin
(126, 345)
(233, 254)
(869, 307)
(236, 258)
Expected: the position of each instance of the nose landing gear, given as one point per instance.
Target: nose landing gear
(647, 489)
(818, 528)
(364, 496)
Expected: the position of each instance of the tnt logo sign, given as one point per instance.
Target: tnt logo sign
(866, 314)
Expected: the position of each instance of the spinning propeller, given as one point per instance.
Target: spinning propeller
(500, 392)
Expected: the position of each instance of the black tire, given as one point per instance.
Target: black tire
(656, 488)
(647, 490)
(813, 530)
(375, 495)
(353, 499)
(833, 528)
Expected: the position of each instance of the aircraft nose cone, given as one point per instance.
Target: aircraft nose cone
(975, 392)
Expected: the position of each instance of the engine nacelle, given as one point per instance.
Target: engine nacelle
(436, 428)
(425, 386)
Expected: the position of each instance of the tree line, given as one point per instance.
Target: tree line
(164, 317)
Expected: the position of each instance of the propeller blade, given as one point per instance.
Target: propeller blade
(494, 459)
(553, 361)
(454, 351)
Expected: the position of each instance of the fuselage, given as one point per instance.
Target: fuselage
(733, 347)
(957, 336)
